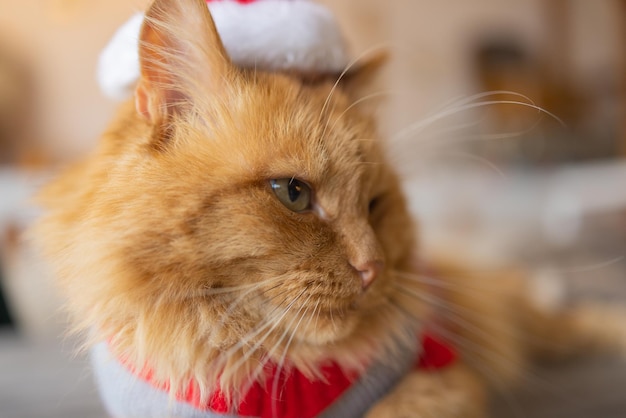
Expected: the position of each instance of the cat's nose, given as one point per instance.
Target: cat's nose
(368, 271)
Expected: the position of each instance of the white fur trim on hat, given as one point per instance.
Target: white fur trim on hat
(267, 34)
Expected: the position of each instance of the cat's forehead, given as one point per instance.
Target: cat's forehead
(312, 130)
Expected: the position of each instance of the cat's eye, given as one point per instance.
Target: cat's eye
(293, 193)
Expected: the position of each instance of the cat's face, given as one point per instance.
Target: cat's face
(301, 212)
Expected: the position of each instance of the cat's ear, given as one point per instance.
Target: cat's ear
(180, 55)
(360, 78)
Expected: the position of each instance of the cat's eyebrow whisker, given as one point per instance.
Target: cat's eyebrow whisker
(462, 100)
(355, 103)
(435, 134)
(432, 138)
(490, 165)
(418, 126)
(351, 64)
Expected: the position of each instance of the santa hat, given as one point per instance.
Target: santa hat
(274, 35)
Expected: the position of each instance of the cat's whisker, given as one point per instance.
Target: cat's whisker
(297, 317)
(441, 137)
(233, 370)
(233, 305)
(372, 163)
(479, 358)
(278, 309)
(418, 126)
(355, 103)
(490, 165)
(462, 100)
(478, 354)
(332, 319)
(316, 313)
(230, 289)
(445, 284)
(434, 135)
(252, 378)
(429, 280)
(272, 324)
(214, 291)
(593, 267)
(457, 314)
(351, 64)
(457, 340)
(453, 104)
(224, 316)
(367, 140)
(462, 288)
(266, 322)
(280, 364)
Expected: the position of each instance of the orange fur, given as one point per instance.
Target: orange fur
(169, 242)
(143, 237)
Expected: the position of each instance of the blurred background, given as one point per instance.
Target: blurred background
(507, 120)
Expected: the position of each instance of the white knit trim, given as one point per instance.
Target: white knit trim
(269, 35)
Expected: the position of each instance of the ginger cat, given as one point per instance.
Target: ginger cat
(237, 228)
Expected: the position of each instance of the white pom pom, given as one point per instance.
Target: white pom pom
(269, 35)
(118, 65)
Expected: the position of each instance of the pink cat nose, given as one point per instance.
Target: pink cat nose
(368, 272)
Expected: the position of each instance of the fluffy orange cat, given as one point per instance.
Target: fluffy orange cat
(236, 228)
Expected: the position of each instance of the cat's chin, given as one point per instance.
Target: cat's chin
(327, 328)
